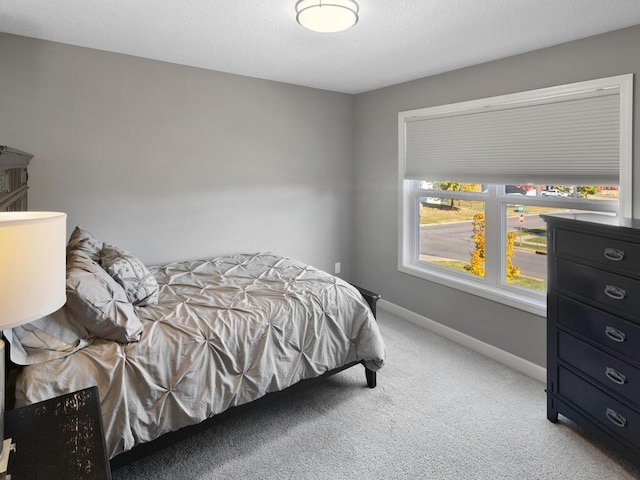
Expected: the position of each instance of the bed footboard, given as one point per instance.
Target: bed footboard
(372, 299)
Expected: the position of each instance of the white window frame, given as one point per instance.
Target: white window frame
(491, 286)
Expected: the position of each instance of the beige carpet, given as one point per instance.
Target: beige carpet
(440, 411)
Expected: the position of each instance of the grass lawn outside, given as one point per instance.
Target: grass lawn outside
(462, 211)
(532, 239)
(523, 281)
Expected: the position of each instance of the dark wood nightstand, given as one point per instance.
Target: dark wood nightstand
(61, 438)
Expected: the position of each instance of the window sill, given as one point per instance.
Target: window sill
(511, 298)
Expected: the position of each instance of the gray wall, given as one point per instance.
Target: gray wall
(376, 171)
(172, 162)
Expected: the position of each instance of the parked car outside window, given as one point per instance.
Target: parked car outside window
(554, 192)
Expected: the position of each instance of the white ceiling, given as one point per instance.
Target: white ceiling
(394, 41)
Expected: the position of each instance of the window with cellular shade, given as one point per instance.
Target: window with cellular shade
(572, 138)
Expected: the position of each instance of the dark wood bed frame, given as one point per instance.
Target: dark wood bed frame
(13, 179)
(13, 197)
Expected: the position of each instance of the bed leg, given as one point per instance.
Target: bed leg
(371, 377)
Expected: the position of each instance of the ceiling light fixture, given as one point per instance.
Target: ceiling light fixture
(327, 16)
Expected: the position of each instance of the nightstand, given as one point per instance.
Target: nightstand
(60, 438)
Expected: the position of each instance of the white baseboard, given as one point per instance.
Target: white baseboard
(502, 356)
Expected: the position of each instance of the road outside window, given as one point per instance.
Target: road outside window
(494, 233)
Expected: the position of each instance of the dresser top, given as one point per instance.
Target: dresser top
(596, 219)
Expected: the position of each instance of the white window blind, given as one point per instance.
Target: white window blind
(568, 139)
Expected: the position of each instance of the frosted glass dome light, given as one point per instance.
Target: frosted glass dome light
(327, 16)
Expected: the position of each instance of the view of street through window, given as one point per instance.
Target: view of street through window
(447, 230)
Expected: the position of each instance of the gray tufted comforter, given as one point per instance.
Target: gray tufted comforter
(225, 332)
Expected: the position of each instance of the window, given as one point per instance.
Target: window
(474, 178)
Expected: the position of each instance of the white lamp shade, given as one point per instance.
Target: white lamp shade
(327, 16)
(32, 266)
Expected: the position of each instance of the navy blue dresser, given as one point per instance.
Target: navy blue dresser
(593, 326)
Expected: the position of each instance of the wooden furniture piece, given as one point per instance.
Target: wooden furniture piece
(593, 326)
(13, 179)
(60, 438)
(372, 300)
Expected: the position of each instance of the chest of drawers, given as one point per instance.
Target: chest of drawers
(593, 326)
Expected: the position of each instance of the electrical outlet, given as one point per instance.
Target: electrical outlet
(337, 268)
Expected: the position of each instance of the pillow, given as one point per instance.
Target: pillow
(48, 338)
(139, 284)
(82, 240)
(98, 302)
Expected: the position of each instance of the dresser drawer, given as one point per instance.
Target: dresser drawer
(619, 419)
(608, 289)
(617, 254)
(606, 369)
(613, 332)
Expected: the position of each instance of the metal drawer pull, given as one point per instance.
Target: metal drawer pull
(615, 418)
(614, 292)
(615, 376)
(615, 334)
(614, 254)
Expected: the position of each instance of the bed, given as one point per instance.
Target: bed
(174, 345)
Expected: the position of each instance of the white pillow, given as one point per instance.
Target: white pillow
(48, 338)
(98, 302)
(83, 240)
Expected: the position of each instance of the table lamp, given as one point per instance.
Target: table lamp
(32, 279)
